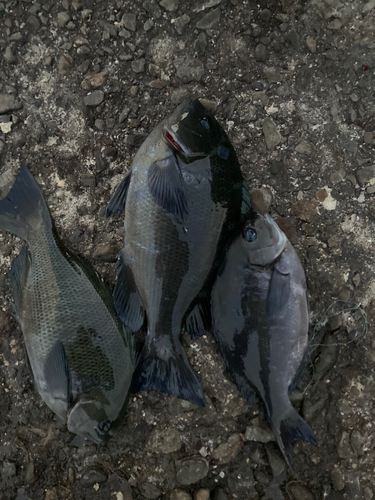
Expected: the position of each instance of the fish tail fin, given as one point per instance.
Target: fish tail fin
(24, 208)
(164, 367)
(293, 427)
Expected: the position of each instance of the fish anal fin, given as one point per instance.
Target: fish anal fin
(167, 370)
(128, 302)
(117, 202)
(56, 373)
(166, 186)
(198, 320)
(18, 274)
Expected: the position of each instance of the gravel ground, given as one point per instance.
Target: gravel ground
(81, 84)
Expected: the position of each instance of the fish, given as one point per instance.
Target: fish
(80, 354)
(184, 198)
(260, 316)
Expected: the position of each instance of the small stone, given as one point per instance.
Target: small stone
(226, 452)
(149, 24)
(370, 189)
(367, 492)
(208, 104)
(336, 24)
(29, 474)
(133, 90)
(209, 20)
(303, 78)
(334, 111)
(300, 492)
(169, 5)
(88, 180)
(166, 441)
(258, 432)
(337, 479)
(188, 68)
(123, 115)
(305, 210)
(129, 21)
(277, 464)
(260, 98)
(138, 66)
(92, 476)
(364, 174)
(191, 470)
(21, 495)
(94, 99)
(261, 199)
(202, 494)
(9, 56)
(178, 95)
(293, 38)
(64, 64)
(354, 97)
(260, 53)
(327, 358)
(33, 23)
(62, 19)
(357, 440)
(8, 102)
(181, 23)
(273, 77)
(321, 195)
(344, 449)
(271, 134)
(16, 37)
(369, 137)
(84, 66)
(8, 469)
(304, 147)
(311, 44)
(177, 494)
(353, 486)
(200, 43)
(150, 491)
(94, 80)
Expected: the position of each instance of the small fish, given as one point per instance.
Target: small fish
(260, 317)
(81, 357)
(183, 200)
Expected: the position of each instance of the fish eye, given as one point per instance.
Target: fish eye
(104, 426)
(204, 122)
(250, 234)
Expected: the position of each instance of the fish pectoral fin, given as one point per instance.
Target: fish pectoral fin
(18, 276)
(198, 321)
(166, 186)
(128, 302)
(279, 292)
(117, 202)
(56, 373)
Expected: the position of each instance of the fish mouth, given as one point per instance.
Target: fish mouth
(172, 140)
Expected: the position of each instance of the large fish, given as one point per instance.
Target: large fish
(183, 199)
(261, 318)
(81, 357)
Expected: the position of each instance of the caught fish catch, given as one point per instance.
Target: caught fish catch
(81, 357)
(260, 316)
(183, 201)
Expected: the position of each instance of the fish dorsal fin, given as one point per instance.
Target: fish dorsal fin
(166, 186)
(128, 303)
(198, 320)
(117, 202)
(279, 292)
(56, 373)
(18, 276)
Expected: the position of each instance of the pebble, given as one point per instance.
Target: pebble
(21, 495)
(181, 23)
(336, 24)
(369, 137)
(8, 470)
(300, 492)
(260, 98)
(62, 19)
(92, 476)
(200, 43)
(129, 21)
(260, 53)
(169, 5)
(150, 491)
(9, 56)
(353, 486)
(209, 20)
(304, 147)
(177, 494)
(357, 440)
(188, 68)
(311, 44)
(138, 66)
(124, 114)
(364, 174)
(84, 66)
(259, 432)
(303, 78)
(94, 99)
(64, 64)
(106, 251)
(33, 23)
(94, 80)
(152, 8)
(226, 452)
(305, 210)
(327, 358)
(367, 493)
(149, 24)
(271, 134)
(165, 441)
(8, 102)
(344, 449)
(191, 470)
(273, 76)
(202, 494)
(337, 479)
(277, 464)
(261, 199)
(208, 104)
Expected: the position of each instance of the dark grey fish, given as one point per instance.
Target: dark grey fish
(81, 357)
(183, 200)
(261, 318)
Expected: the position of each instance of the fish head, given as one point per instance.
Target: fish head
(192, 132)
(263, 240)
(88, 419)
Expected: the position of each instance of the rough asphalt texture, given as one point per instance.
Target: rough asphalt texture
(81, 84)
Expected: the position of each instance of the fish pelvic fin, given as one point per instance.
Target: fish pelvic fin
(163, 366)
(117, 202)
(198, 321)
(24, 209)
(293, 427)
(18, 274)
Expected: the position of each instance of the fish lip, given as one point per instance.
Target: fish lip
(172, 140)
